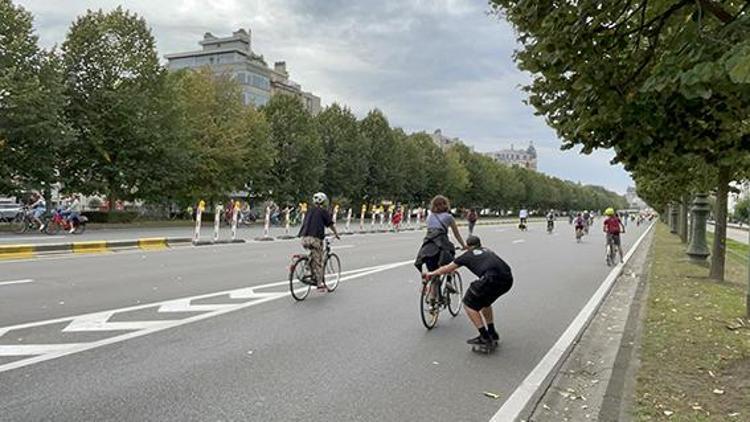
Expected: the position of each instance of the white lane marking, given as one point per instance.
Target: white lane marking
(24, 281)
(501, 230)
(517, 402)
(519, 241)
(34, 349)
(97, 321)
(343, 247)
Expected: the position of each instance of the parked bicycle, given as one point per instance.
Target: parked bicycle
(301, 280)
(436, 295)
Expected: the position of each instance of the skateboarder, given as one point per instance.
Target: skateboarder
(495, 279)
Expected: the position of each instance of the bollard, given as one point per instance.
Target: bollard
(198, 216)
(287, 224)
(697, 250)
(235, 215)
(408, 220)
(372, 223)
(419, 219)
(335, 213)
(266, 227)
(362, 219)
(381, 216)
(217, 222)
(389, 223)
(348, 229)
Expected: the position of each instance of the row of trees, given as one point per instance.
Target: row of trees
(665, 84)
(102, 116)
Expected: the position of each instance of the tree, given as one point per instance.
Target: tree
(299, 164)
(33, 130)
(225, 144)
(347, 153)
(385, 180)
(114, 84)
(742, 210)
(646, 78)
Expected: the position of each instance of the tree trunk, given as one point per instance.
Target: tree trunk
(747, 305)
(684, 218)
(718, 252)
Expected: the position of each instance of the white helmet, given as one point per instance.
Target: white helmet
(320, 198)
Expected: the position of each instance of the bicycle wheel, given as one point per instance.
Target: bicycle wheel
(428, 306)
(19, 224)
(80, 228)
(332, 272)
(52, 227)
(299, 277)
(455, 299)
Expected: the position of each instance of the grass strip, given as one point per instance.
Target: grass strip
(695, 356)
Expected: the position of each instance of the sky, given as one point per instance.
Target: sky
(427, 64)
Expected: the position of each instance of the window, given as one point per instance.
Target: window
(260, 82)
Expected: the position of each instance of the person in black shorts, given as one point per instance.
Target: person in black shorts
(495, 279)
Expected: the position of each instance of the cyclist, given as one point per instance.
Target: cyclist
(495, 279)
(437, 249)
(612, 227)
(472, 218)
(580, 223)
(74, 211)
(312, 233)
(37, 208)
(523, 215)
(550, 220)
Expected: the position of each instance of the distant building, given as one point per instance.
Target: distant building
(443, 141)
(525, 158)
(234, 56)
(633, 200)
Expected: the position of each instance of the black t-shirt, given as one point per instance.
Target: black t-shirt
(482, 261)
(316, 221)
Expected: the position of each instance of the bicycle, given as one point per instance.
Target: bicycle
(432, 302)
(301, 280)
(611, 250)
(23, 221)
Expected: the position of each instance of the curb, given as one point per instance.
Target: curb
(89, 247)
(527, 395)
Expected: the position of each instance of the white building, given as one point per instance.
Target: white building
(234, 56)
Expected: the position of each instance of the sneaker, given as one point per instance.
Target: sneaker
(41, 228)
(478, 340)
(73, 230)
(494, 336)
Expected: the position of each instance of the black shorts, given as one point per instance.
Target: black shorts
(483, 292)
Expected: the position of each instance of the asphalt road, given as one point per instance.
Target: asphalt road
(106, 337)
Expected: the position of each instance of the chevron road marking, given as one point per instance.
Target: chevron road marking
(99, 321)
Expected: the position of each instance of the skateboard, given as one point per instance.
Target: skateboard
(484, 348)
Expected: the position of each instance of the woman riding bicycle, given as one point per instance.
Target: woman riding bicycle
(437, 249)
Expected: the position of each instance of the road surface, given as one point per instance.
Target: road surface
(122, 336)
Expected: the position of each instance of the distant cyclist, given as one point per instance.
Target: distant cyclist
(495, 279)
(437, 249)
(613, 227)
(579, 224)
(37, 208)
(550, 220)
(472, 218)
(523, 215)
(313, 232)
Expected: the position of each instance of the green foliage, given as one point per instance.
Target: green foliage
(114, 83)
(742, 210)
(346, 153)
(224, 146)
(33, 130)
(383, 181)
(299, 165)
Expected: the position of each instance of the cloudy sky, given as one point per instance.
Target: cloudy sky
(426, 63)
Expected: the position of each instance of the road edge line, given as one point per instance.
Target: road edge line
(531, 389)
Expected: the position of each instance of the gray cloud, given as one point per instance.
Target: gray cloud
(425, 63)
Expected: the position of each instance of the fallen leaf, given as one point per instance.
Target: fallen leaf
(491, 395)
(668, 413)
(718, 391)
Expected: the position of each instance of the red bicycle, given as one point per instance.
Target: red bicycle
(58, 222)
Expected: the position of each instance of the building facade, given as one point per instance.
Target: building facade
(443, 141)
(234, 56)
(526, 158)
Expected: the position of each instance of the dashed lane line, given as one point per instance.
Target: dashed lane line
(99, 321)
(24, 281)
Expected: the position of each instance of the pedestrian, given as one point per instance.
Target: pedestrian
(396, 219)
(472, 218)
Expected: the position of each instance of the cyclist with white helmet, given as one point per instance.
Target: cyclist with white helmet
(312, 233)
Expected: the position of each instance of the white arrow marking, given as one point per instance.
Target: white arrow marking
(184, 305)
(519, 241)
(34, 349)
(98, 322)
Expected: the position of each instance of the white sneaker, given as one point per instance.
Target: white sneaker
(73, 230)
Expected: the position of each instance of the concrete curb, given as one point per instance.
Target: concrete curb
(88, 247)
(527, 395)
